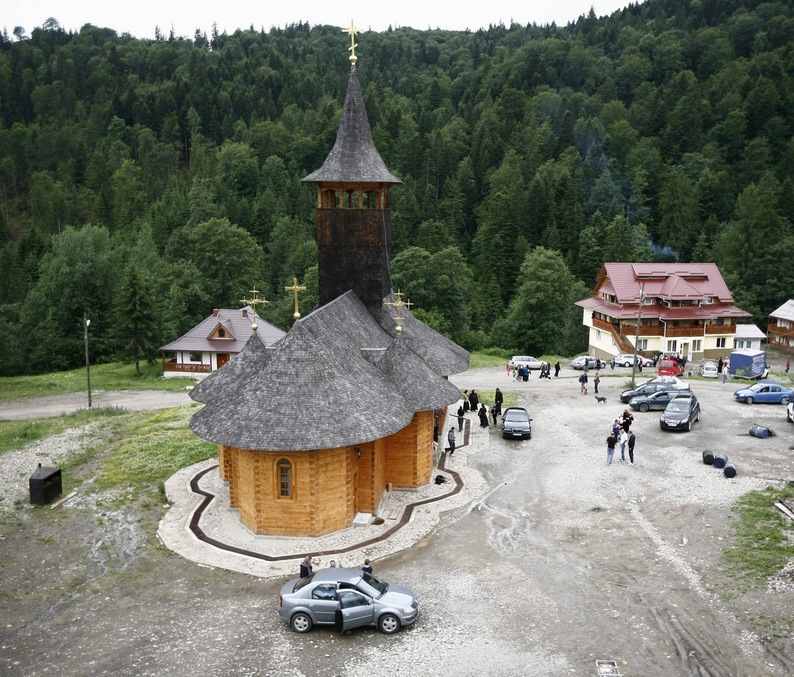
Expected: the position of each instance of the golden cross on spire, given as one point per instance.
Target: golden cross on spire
(352, 31)
(254, 302)
(399, 304)
(295, 289)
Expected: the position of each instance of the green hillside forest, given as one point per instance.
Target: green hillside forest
(146, 182)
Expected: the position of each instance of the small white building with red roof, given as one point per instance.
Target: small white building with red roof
(671, 308)
(214, 341)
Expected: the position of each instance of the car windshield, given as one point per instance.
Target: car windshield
(757, 386)
(678, 406)
(514, 417)
(375, 583)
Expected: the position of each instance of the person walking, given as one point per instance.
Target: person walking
(596, 381)
(367, 568)
(494, 414)
(612, 363)
(583, 382)
(474, 400)
(451, 440)
(632, 440)
(557, 369)
(484, 417)
(461, 418)
(623, 439)
(788, 365)
(611, 442)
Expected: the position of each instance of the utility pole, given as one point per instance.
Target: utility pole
(86, 322)
(637, 335)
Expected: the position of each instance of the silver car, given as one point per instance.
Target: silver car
(627, 359)
(708, 369)
(351, 597)
(590, 361)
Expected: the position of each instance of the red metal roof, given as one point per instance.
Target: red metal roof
(674, 281)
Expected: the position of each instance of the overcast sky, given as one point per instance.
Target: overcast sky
(140, 17)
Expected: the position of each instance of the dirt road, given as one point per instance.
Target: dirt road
(563, 561)
(56, 405)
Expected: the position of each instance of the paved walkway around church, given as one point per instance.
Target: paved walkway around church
(201, 526)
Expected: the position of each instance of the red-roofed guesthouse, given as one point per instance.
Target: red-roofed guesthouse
(681, 308)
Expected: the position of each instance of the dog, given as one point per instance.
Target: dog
(600, 400)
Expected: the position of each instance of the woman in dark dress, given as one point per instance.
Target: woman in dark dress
(483, 417)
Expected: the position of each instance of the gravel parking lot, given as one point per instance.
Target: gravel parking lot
(562, 561)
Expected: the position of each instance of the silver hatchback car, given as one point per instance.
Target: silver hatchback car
(351, 598)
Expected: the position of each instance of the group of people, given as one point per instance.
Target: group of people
(307, 568)
(621, 436)
(523, 372)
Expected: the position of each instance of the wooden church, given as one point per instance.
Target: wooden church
(312, 430)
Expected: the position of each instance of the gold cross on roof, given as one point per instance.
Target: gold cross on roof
(254, 302)
(399, 304)
(352, 31)
(295, 289)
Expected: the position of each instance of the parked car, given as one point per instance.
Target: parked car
(673, 381)
(362, 598)
(525, 360)
(790, 412)
(708, 369)
(516, 423)
(764, 392)
(652, 386)
(680, 413)
(627, 359)
(657, 400)
(670, 368)
(589, 360)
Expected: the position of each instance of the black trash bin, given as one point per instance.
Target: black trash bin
(708, 457)
(45, 485)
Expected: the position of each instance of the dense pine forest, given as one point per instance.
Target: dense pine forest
(146, 182)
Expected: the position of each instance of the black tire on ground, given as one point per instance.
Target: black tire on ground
(301, 622)
(749, 400)
(784, 400)
(644, 407)
(388, 624)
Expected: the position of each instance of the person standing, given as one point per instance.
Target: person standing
(466, 403)
(484, 417)
(367, 568)
(788, 365)
(498, 399)
(611, 442)
(306, 567)
(474, 400)
(451, 440)
(461, 418)
(557, 369)
(596, 381)
(632, 440)
(719, 366)
(623, 439)
(612, 363)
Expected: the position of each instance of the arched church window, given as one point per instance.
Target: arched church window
(284, 478)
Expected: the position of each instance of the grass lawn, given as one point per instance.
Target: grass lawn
(114, 376)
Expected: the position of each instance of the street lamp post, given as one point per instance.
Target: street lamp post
(86, 322)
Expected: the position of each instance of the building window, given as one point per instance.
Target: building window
(696, 346)
(642, 344)
(721, 342)
(194, 357)
(672, 346)
(284, 478)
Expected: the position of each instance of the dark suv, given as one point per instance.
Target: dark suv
(681, 412)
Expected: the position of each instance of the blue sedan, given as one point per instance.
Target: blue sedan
(765, 392)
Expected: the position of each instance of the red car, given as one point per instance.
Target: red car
(670, 368)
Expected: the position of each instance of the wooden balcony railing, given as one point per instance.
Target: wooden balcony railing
(187, 368)
(672, 330)
(721, 329)
(779, 331)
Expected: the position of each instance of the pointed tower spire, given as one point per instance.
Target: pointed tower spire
(353, 213)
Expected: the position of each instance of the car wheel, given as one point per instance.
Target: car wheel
(748, 400)
(388, 624)
(301, 622)
(784, 400)
(644, 407)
